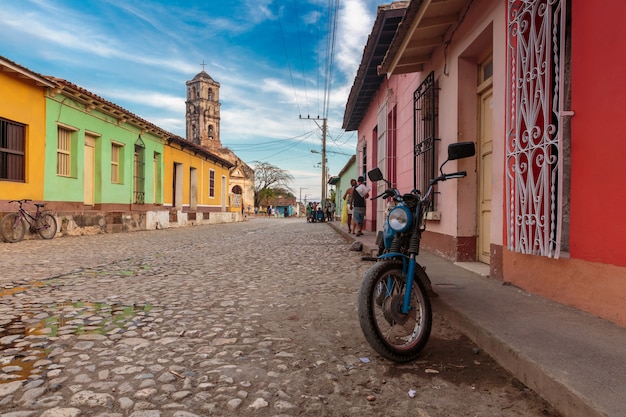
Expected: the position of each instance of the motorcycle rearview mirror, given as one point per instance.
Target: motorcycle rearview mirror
(459, 150)
(375, 174)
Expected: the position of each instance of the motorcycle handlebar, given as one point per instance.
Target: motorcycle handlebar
(459, 174)
(444, 177)
(387, 193)
(379, 195)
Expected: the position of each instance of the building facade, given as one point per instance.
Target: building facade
(22, 132)
(341, 182)
(203, 128)
(513, 77)
(98, 167)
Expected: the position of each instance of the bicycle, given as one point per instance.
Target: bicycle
(13, 225)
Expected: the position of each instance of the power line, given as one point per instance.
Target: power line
(330, 52)
(306, 98)
(282, 35)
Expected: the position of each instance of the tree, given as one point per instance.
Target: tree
(269, 182)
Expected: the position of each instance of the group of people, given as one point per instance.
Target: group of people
(355, 205)
(353, 211)
(315, 212)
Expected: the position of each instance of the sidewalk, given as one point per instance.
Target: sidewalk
(574, 360)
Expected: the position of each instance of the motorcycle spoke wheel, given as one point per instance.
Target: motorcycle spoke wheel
(393, 334)
(12, 228)
(47, 226)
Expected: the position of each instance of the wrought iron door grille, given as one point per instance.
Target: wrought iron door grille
(424, 132)
(534, 142)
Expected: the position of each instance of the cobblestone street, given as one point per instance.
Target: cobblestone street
(253, 318)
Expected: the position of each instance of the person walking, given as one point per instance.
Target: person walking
(347, 197)
(360, 193)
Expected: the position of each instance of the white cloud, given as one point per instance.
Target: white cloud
(139, 57)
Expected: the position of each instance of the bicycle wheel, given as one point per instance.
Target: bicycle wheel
(396, 336)
(12, 228)
(46, 226)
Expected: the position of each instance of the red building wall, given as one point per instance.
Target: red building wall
(593, 277)
(598, 139)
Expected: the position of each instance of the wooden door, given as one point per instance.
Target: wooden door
(89, 171)
(485, 149)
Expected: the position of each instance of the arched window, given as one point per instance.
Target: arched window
(210, 131)
(237, 190)
(210, 94)
(193, 93)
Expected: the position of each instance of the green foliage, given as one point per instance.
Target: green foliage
(270, 182)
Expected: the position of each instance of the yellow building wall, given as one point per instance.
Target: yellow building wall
(173, 155)
(23, 102)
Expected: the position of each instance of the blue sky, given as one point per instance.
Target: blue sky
(269, 56)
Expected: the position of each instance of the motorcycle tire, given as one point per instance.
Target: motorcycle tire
(395, 336)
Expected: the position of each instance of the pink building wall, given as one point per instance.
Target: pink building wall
(402, 87)
(592, 276)
(454, 235)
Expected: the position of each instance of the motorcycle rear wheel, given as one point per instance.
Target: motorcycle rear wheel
(395, 336)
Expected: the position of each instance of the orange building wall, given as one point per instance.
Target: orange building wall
(172, 155)
(23, 102)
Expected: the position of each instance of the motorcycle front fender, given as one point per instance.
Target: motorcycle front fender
(394, 255)
(420, 271)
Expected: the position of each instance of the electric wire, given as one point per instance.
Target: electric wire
(330, 53)
(282, 34)
(297, 19)
(273, 144)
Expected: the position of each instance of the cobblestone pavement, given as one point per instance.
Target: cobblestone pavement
(253, 318)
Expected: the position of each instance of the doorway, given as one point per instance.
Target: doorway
(89, 173)
(485, 156)
(177, 185)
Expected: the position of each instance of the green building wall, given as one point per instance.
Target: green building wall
(64, 112)
(348, 173)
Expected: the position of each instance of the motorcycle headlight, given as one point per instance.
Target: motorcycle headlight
(399, 219)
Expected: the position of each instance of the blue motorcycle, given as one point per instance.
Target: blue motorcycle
(394, 305)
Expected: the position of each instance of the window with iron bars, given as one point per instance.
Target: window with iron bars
(211, 183)
(425, 106)
(139, 177)
(12, 150)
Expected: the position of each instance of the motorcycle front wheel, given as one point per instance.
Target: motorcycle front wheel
(394, 335)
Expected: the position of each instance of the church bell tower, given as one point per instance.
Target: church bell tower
(203, 111)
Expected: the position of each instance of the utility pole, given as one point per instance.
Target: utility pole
(324, 188)
(302, 188)
(323, 127)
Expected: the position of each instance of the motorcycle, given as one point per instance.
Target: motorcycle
(394, 307)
